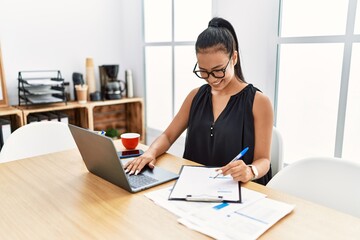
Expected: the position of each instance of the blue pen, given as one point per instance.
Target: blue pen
(240, 155)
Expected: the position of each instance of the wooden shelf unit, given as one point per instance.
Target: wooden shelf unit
(14, 115)
(77, 112)
(125, 115)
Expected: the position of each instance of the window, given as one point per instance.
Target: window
(309, 74)
(352, 127)
(170, 55)
(313, 18)
(357, 21)
(158, 86)
(318, 91)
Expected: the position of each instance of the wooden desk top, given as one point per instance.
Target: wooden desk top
(55, 197)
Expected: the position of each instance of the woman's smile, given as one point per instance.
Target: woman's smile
(216, 82)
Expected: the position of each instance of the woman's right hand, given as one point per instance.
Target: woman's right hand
(136, 165)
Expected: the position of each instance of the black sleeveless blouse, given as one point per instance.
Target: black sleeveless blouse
(216, 143)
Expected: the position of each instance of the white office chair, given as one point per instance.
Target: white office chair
(36, 139)
(277, 151)
(332, 182)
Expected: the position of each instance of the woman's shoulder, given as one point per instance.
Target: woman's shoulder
(260, 95)
(195, 92)
(251, 87)
(262, 104)
(200, 90)
(261, 98)
(204, 87)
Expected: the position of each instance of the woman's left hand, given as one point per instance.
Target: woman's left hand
(238, 170)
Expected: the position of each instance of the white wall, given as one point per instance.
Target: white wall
(255, 23)
(54, 34)
(48, 35)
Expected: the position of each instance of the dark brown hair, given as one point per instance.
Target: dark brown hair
(220, 33)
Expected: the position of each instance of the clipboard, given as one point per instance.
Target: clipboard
(197, 183)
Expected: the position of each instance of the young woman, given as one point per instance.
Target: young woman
(223, 116)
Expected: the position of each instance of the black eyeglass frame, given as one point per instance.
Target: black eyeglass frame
(223, 70)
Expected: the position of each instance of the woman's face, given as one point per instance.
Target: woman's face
(216, 62)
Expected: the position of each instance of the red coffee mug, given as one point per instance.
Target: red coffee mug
(130, 140)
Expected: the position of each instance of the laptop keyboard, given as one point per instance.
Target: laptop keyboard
(137, 181)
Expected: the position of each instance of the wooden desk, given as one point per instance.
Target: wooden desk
(55, 197)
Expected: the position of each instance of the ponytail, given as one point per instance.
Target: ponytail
(221, 32)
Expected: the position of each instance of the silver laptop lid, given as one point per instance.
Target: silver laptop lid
(101, 158)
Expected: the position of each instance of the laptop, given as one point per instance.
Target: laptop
(101, 158)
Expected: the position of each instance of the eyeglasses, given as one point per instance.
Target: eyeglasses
(203, 74)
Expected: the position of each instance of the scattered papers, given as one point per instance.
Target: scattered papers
(233, 222)
(229, 221)
(182, 208)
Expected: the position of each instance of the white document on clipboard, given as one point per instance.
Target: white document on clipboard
(197, 183)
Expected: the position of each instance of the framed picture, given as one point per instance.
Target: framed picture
(3, 93)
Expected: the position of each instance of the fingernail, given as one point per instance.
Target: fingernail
(132, 172)
(136, 172)
(219, 171)
(126, 170)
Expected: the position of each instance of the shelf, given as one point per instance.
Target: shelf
(125, 115)
(14, 115)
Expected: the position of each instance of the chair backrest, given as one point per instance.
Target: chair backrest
(332, 182)
(277, 151)
(36, 139)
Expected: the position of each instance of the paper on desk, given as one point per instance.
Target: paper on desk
(196, 181)
(181, 208)
(228, 221)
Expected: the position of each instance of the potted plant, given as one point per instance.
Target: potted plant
(112, 132)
